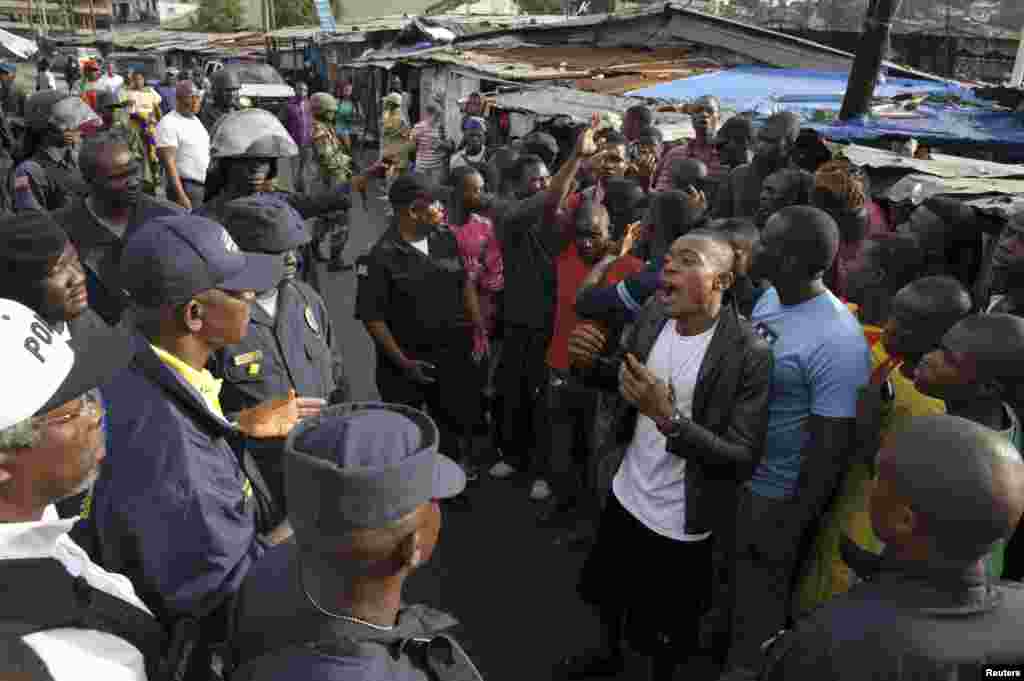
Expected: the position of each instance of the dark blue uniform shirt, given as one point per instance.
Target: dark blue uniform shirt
(172, 509)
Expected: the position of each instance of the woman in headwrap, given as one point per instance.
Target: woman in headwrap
(473, 151)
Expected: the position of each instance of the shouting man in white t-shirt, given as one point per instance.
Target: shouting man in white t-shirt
(695, 379)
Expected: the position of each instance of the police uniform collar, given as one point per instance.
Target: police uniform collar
(930, 587)
(161, 374)
(393, 234)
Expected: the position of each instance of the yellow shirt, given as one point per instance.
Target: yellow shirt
(205, 384)
(910, 402)
(826, 574)
(202, 380)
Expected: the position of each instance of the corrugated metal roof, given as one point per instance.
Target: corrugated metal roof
(462, 24)
(673, 23)
(940, 165)
(580, 105)
(1003, 197)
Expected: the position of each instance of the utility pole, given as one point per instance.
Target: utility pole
(950, 52)
(870, 54)
(1017, 79)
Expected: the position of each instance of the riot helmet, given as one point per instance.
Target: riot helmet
(248, 143)
(59, 112)
(226, 88)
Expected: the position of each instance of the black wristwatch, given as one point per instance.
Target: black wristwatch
(672, 426)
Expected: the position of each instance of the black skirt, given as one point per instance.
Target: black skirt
(663, 585)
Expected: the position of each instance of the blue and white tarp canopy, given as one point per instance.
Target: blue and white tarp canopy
(765, 90)
(818, 95)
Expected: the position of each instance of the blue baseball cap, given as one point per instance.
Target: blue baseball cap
(8, 68)
(170, 259)
(363, 465)
(265, 223)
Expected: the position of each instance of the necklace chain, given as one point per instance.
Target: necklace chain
(348, 618)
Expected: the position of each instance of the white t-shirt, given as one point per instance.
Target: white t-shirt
(422, 246)
(268, 303)
(192, 141)
(651, 482)
(75, 653)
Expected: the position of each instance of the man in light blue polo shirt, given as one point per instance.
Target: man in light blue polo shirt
(821, 361)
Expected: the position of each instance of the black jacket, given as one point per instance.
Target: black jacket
(100, 248)
(907, 621)
(730, 413)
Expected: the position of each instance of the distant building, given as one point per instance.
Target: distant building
(173, 9)
(135, 11)
(79, 14)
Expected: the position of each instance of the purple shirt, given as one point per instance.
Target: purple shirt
(300, 121)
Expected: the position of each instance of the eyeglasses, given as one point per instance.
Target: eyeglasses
(91, 406)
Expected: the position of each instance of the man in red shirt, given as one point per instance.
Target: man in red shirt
(568, 408)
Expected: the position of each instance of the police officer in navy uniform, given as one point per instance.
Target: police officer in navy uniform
(50, 178)
(290, 343)
(417, 305)
(365, 480)
(179, 506)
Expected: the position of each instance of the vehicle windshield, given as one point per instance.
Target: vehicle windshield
(126, 65)
(263, 74)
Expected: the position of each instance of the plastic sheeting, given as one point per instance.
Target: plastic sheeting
(766, 90)
(817, 96)
(12, 45)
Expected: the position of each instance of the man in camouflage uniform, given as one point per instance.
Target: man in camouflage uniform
(111, 109)
(334, 167)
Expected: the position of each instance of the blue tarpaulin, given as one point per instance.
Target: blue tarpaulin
(762, 89)
(818, 95)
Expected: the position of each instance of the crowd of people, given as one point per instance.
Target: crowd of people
(781, 416)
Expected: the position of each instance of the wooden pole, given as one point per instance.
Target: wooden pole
(92, 14)
(870, 54)
(1017, 79)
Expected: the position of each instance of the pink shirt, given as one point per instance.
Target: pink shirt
(481, 254)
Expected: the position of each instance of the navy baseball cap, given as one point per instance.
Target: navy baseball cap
(170, 259)
(409, 188)
(363, 465)
(265, 223)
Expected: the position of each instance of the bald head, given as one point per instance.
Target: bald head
(995, 343)
(688, 172)
(804, 238)
(963, 481)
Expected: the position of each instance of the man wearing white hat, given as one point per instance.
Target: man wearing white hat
(51, 443)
